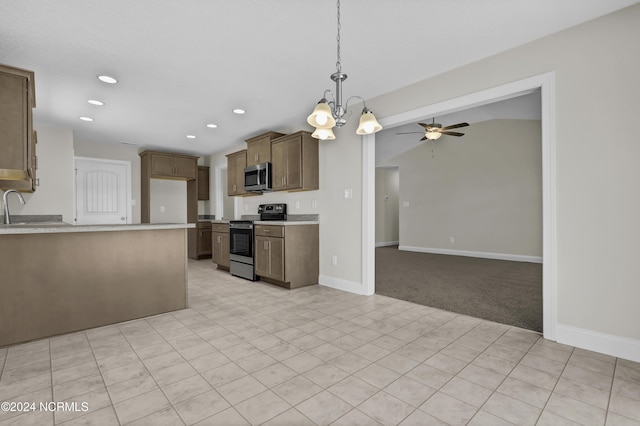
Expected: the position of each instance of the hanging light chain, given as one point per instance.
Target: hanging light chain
(338, 64)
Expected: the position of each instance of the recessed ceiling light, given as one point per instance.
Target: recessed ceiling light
(212, 126)
(191, 137)
(107, 79)
(86, 118)
(239, 111)
(95, 102)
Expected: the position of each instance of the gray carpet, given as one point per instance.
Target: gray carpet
(497, 290)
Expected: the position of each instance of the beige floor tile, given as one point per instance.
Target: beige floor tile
(75, 372)
(33, 399)
(355, 417)
(26, 386)
(94, 400)
(377, 375)
(131, 388)
(550, 419)
(223, 375)
(302, 362)
(386, 409)
(274, 374)
(588, 377)
(604, 367)
(21, 373)
(327, 351)
(625, 407)
(124, 373)
(511, 409)
(201, 407)
(581, 392)
(429, 376)
(397, 363)
(350, 362)
(420, 418)
(627, 389)
(410, 391)
(164, 360)
(535, 377)
(141, 406)
(353, 390)
(324, 408)
(297, 389)
(68, 390)
(262, 407)
(614, 419)
(255, 362)
(226, 417)
(34, 418)
(482, 418)
(241, 389)
(575, 410)
(239, 351)
(371, 352)
(446, 363)
(103, 417)
(481, 376)
(185, 389)
(448, 409)
(282, 350)
(174, 373)
(466, 391)
(325, 375)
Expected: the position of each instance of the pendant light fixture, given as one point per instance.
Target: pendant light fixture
(331, 113)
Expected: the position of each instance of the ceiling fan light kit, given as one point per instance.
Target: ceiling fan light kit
(329, 114)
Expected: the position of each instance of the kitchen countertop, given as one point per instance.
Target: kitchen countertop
(61, 227)
(286, 222)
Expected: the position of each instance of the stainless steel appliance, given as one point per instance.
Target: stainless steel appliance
(257, 178)
(241, 240)
(241, 249)
(272, 211)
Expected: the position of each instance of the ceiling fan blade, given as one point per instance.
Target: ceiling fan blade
(424, 138)
(455, 126)
(426, 126)
(453, 133)
(409, 133)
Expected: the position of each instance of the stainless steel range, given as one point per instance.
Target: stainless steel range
(241, 240)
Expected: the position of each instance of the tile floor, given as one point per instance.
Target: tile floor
(251, 353)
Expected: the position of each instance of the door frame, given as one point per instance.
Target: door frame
(126, 164)
(546, 83)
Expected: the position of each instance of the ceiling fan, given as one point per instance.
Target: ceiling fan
(434, 130)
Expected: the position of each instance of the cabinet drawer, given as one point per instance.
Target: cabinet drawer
(205, 225)
(220, 227)
(269, 230)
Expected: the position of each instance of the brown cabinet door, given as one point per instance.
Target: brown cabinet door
(279, 165)
(294, 164)
(204, 241)
(276, 258)
(203, 183)
(236, 163)
(262, 256)
(224, 250)
(259, 151)
(162, 165)
(186, 167)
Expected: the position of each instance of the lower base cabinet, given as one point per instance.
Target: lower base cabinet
(200, 241)
(220, 245)
(287, 255)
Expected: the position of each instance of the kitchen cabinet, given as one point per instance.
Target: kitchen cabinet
(171, 166)
(164, 165)
(200, 241)
(294, 161)
(18, 161)
(220, 245)
(236, 162)
(259, 148)
(287, 255)
(203, 183)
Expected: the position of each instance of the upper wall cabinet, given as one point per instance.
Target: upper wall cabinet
(203, 183)
(18, 160)
(236, 162)
(295, 162)
(171, 166)
(259, 148)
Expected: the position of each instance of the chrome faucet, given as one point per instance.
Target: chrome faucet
(7, 216)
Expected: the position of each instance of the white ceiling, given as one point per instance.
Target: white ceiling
(183, 64)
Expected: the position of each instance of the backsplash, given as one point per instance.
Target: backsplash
(35, 218)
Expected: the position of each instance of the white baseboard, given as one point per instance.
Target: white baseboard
(340, 284)
(482, 254)
(388, 243)
(621, 347)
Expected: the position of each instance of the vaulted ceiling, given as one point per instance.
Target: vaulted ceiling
(182, 65)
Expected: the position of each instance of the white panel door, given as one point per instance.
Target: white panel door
(102, 192)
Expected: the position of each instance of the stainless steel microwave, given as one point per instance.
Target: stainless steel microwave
(257, 178)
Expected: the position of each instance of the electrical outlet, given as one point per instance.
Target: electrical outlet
(161, 209)
(452, 240)
(334, 260)
(348, 193)
(297, 204)
(405, 204)
(314, 204)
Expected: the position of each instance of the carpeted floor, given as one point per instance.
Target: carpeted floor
(497, 290)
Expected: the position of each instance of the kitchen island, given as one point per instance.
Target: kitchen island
(57, 278)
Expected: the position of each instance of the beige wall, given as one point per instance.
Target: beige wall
(387, 205)
(168, 201)
(597, 172)
(484, 190)
(55, 172)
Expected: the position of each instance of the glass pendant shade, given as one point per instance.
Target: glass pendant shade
(433, 135)
(321, 117)
(368, 123)
(323, 134)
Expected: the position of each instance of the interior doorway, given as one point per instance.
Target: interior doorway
(546, 84)
(102, 191)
